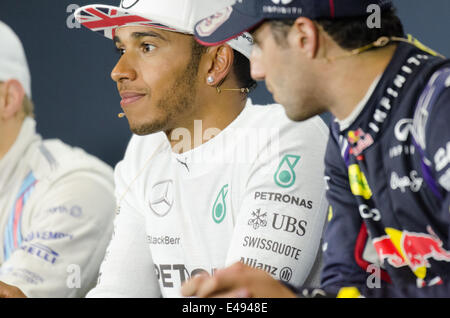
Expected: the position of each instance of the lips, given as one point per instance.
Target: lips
(129, 98)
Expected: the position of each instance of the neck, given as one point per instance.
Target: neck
(352, 78)
(9, 130)
(207, 121)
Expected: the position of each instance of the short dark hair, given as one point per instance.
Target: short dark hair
(197, 52)
(241, 65)
(348, 33)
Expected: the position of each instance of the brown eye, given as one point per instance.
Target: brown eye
(148, 47)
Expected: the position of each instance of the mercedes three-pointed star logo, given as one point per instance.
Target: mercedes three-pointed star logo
(161, 200)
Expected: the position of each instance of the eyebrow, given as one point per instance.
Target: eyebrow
(138, 35)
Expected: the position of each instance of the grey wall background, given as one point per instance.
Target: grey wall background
(77, 101)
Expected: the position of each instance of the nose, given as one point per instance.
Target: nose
(258, 72)
(123, 70)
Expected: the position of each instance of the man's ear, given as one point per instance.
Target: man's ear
(222, 58)
(305, 36)
(11, 98)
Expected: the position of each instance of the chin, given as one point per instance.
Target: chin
(298, 114)
(148, 128)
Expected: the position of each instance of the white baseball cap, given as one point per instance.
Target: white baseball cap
(13, 62)
(172, 15)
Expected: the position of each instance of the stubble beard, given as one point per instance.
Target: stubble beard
(177, 101)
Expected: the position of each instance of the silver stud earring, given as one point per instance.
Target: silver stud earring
(210, 79)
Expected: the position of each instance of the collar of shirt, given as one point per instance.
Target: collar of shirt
(10, 162)
(345, 123)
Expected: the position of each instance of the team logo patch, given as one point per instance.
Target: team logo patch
(211, 24)
(219, 210)
(404, 248)
(285, 175)
(359, 141)
(403, 129)
(286, 274)
(161, 200)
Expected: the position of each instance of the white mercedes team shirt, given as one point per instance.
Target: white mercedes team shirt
(254, 193)
(56, 216)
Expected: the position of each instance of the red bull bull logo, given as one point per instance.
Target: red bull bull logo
(403, 248)
(359, 141)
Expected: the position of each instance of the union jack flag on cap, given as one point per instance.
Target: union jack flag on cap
(106, 19)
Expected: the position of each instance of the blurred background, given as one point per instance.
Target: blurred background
(76, 100)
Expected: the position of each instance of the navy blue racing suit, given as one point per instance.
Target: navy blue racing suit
(389, 180)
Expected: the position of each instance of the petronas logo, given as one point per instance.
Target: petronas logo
(285, 175)
(220, 206)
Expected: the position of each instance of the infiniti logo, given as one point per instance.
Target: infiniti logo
(161, 200)
(403, 128)
(127, 4)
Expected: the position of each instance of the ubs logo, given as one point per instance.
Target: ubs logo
(161, 200)
(289, 224)
(128, 4)
(258, 219)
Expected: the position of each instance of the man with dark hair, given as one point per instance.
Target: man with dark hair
(388, 157)
(204, 182)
